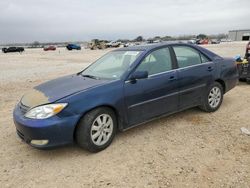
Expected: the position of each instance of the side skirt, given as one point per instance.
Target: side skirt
(158, 117)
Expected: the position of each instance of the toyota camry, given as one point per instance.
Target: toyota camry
(124, 88)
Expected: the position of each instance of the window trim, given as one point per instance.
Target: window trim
(205, 57)
(156, 74)
(181, 68)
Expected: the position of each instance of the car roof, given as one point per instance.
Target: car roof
(149, 47)
(145, 46)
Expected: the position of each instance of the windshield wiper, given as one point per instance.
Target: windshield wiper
(90, 76)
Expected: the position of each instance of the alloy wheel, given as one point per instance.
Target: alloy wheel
(101, 129)
(214, 97)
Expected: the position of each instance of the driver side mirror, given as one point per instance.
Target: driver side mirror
(138, 75)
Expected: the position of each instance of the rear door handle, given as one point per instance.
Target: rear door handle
(210, 69)
(172, 78)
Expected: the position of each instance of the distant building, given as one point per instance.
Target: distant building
(239, 35)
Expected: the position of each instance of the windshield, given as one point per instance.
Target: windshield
(112, 65)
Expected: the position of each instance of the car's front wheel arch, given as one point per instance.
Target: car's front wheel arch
(118, 123)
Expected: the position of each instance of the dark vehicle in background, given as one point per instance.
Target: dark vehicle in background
(247, 54)
(122, 89)
(244, 65)
(244, 71)
(73, 47)
(49, 48)
(13, 49)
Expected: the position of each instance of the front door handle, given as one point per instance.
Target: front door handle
(171, 78)
(210, 69)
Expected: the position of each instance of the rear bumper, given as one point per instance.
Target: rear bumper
(57, 130)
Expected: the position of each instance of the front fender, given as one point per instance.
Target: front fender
(110, 95)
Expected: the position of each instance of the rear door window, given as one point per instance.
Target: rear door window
(187, 56)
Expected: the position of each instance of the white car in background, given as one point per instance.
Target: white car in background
(114, 44)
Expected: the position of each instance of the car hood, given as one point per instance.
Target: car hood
(54, 90)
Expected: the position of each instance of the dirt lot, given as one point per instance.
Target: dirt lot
(188, 149)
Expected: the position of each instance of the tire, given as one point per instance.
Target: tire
(213, 98)
(92, 125)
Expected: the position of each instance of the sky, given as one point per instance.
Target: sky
(82, 20)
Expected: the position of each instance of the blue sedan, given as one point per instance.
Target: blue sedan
(122, 89)
(73, 47)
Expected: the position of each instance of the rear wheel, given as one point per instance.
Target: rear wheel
(213, 98)
(96, 129)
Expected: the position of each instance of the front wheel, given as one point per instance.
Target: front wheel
(213, 98)
(96, 129)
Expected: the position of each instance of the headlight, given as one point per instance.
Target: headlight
(45, 111)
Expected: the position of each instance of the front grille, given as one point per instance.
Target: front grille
(23, 108)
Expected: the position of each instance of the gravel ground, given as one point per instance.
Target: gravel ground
(188, 149)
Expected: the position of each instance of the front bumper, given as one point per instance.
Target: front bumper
(57, 130)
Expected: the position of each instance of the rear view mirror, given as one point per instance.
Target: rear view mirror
(139, 75)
